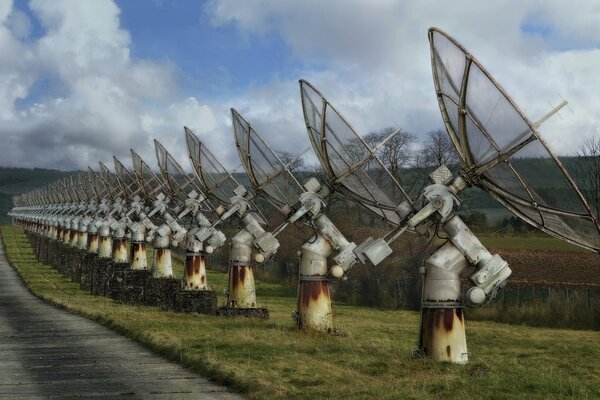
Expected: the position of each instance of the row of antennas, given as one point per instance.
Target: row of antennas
(493, 140)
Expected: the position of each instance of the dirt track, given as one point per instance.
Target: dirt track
(552, 269)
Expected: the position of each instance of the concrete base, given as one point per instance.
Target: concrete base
(100, 277)
(42, 250)
(262, 313)
(76, 261)
(114, 284)
(196, 301)
(53, 246)
(87, 272)
(134, 286)
(160, 292)
(62, 260)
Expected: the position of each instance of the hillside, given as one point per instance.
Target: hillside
(546, 179)
(18, 180)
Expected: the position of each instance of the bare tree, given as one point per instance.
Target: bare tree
(291, 160)
(587, 171)
(396, 153)
(438, 149)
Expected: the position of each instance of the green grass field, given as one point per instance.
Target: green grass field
(371, 359)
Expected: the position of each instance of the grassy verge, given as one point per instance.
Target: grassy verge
(271, 360)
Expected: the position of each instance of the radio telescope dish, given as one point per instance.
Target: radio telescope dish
(501, 150)
(125, 179)
(270, 177)
(179, 182)
(109, 181)
(349, 162)
(150, 183)
(216, 181)
(86, 185)
(77, 189)
(97, 185)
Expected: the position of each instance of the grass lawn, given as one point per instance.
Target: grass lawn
(371, 359)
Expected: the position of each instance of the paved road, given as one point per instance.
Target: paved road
(48, 353)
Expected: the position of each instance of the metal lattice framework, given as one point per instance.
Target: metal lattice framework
(270, 177)
(350, 164)
(217, 182)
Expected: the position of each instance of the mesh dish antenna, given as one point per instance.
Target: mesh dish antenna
(270, 177)
(97, 185)
(150, 182)
(109, 181)
(497, 144)
(350, 164)
(181, 185)
(216, 181)
(86, 184)
(273, 180)
(125, 179)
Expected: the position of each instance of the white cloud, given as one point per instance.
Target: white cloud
(376, 66)
(371, 59)
(103, 102)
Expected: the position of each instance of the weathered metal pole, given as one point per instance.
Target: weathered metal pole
(194, 274)
(120, 251)
(241, 291)
(314, 310)
(442, 335)
(162, 267)
(104, 242)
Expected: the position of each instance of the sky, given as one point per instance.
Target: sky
(81, 81)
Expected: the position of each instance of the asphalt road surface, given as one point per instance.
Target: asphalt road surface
(48, 353)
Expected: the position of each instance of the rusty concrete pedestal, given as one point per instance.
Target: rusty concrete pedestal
(134, 285)
(442, 336)
(196, 301)
(314, 311)
(160, 292)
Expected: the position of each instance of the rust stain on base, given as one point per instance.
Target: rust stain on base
(238, 276)
(119, 250)
(92, 241)
(159, 254)
(137, 255)
(242, 291)
(314, 306)
(195, 272)
(443, 334)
